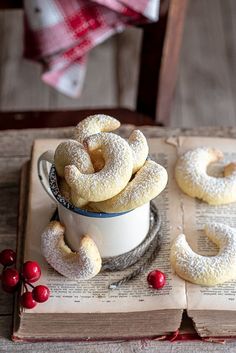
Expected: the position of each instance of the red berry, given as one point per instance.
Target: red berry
(7, 257)
(41, 294)
(156, 279)
(27, 300)
(10, 277)
(31, 271)
(8, 289)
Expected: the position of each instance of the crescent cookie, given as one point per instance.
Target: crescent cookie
(207, 270)
(112, 178)
(138, 144)
(84, 264)
(191, 176)
(72, 152)
(94, 124)
(147, 183)
(91, 125)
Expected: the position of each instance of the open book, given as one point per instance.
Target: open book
(89, 310)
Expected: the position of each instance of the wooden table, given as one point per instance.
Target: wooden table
(15, 149)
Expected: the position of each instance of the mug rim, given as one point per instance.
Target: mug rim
(53, 184)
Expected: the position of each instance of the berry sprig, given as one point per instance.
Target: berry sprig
(31, 272)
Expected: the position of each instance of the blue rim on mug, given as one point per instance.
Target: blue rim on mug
(56, 193)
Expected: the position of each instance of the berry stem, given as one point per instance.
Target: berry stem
(29, 284)
(25, 286)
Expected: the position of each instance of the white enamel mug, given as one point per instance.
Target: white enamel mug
(113, 233)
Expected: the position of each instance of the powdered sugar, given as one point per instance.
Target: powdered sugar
(115, 160)
(207, 270)
(112, 178)
(94, 124)
(84, 264)
(191, 176)
(148, 182)
(72, 152)
(139, 147)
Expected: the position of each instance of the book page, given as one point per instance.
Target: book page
(93, 295)
(196, 215)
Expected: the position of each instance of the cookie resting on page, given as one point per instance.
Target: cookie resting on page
(192, 177)
(206, 270)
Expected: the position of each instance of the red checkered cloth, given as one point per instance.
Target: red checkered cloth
(59, 34)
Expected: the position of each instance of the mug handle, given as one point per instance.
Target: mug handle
(43, 171)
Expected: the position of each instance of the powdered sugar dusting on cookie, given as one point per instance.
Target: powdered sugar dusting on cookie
(112, 178)
(191, 176)
(84, 264)
(148, 182)
(72, 152)
(207, 270)
(138, 144)
(94, 124)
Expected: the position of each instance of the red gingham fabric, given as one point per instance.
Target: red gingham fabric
(59, 34)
